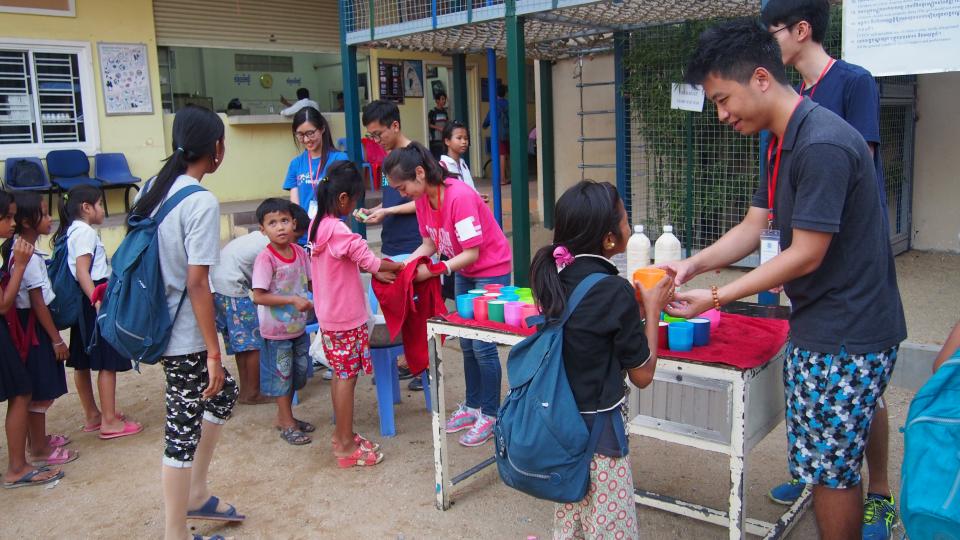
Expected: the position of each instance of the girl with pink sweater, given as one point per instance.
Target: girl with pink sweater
(337, 257)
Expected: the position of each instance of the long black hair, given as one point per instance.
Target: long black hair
(584, 215)
(342, 177)
(309, 114)
(6, 199)
(29, 214)
(70, 206)
(196, 131)
(402, 164)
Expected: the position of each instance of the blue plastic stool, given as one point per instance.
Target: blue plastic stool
(387, 382)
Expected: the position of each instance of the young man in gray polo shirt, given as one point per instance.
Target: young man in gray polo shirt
(836, 265)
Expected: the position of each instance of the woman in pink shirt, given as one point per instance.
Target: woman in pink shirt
(336, 259)
(455, 222)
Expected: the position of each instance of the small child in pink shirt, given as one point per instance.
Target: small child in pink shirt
(279, 282)
(337, 257)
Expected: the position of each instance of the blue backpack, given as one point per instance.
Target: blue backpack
(543, 446)
(66, 309)
(133, 317)
(930, 474)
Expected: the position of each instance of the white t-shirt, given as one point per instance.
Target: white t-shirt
(295, 108)
(233, 274)
(460, 168)
(82, 239)
(35, 275)
(189, 235)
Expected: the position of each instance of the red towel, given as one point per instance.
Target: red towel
(740, 341)
(23, 338)
(406, 306)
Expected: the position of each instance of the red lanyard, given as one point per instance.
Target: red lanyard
(773, 173)
(314, 180)
(803, 85)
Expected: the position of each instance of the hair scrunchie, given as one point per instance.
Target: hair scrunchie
(562, 257)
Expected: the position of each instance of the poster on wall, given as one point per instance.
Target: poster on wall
(413, 78)
(125, 77)
(390, 81)
(901, 38)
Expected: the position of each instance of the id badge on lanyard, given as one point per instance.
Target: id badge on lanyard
(769, 245)
(312, 209)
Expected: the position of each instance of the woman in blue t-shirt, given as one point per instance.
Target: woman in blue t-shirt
(310, 129)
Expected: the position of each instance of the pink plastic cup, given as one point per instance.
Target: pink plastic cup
(528, 310)
(480, 308)
(513, 313)
(713, 316)
(493, 287)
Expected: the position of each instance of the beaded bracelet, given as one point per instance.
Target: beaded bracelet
(716, 296)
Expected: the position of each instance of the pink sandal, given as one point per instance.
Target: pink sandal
(96, 427)
(359, 458)
(58, 456)
(365, 444)
(129, 428)
(57, 441)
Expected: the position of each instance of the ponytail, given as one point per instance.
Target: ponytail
(584, 215)
(402, 164)
(29, 214)
(196, 131)
(70, 205)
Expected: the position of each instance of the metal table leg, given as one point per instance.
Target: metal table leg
(737, 512)
(440, 455)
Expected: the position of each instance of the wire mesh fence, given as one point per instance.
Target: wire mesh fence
(690, 171)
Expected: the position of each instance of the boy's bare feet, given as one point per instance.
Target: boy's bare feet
(258, 399)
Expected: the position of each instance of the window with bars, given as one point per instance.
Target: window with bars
(263, 62)
(43, 91)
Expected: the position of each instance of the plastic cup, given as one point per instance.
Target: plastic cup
(478, 292)
(508, 289)
(701, 331)
(680, 335)
(662, 335)
(508, 297)
(513, 313)
(525, 291)
(480, 312)
(526, 312)
(493, 287)
(492, 295)
(648, 276)
(672, 319)
(465, 305)
(495, 310)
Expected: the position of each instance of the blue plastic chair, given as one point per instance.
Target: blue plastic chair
(71, 168)
(46, 187)
(366, 168)
(112, 169)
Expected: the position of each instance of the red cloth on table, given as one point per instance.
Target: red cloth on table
(740, 341)
(455, 318)
(406, 306)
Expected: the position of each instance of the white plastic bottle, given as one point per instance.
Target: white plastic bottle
(638, 250)
(668, 247)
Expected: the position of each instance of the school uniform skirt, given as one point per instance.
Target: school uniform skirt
(14, 377)
(46, 373)
(102, 356)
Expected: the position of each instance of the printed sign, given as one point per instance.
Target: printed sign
(686, 97)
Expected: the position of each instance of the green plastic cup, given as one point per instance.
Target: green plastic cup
(495, 310)
(672, 319)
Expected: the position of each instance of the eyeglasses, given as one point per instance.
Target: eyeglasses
(782, 28)
(303, 135)
(374, 136)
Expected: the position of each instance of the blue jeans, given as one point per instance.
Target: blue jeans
(481, 362)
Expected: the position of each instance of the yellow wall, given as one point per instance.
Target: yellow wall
(140, 137)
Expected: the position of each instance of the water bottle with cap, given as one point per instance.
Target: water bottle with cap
(638, 250)
(667, 248)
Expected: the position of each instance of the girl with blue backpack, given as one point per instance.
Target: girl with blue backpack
(200, 394)
(605, 336)
(16, 386)
(81, 209)
(37, 338)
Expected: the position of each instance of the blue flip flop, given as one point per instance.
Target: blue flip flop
(27, 479)
(214, 537)
(209, 511)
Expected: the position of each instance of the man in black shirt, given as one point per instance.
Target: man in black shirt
(820, 195)
(437, 119)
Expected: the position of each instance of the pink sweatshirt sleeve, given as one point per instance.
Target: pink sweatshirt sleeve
(344, 244)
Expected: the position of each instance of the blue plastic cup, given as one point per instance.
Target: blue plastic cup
(680, 335)
(701, 331)
(509, 297)
(509, 289)
(465, 305)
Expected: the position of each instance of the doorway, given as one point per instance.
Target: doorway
(439, 78)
